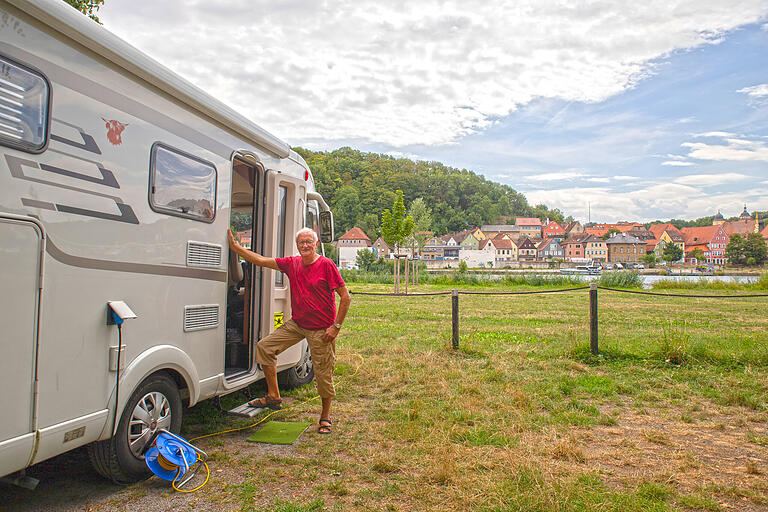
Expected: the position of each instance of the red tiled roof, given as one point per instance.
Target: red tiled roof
(502, 243)
(527, 221)
(354, 234)
(483, 243)
(742, 227)
(703, 234)
(672, 231)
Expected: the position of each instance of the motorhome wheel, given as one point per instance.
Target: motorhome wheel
(155, 404)
(302, 373)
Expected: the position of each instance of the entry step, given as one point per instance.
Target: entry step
(246, 410)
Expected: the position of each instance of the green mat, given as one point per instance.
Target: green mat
(279, 432)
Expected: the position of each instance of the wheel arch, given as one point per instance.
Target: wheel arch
(160, 359)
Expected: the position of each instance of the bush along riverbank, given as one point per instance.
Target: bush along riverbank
(612, 279)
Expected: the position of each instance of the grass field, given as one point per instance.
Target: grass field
(672, 415)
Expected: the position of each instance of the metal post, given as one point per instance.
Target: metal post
(593, 317)
(455, 317)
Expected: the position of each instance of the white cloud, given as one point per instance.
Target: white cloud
(755, 91)
(741, 150)
(677, 163)
(625, 178)
(400, 154)
(711, 179)
(402, 73)
(656, 201)
(714, 134)
(556, 176)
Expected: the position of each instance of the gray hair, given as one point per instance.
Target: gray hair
(303, 231)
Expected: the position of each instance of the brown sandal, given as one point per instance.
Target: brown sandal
(267, 402)
(325, 427)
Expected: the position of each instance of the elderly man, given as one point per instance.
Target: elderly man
(313, 281)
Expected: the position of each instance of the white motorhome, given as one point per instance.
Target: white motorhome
(118, 182)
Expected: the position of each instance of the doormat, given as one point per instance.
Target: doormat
(279, 432)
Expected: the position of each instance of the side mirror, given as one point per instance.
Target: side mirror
(326, 226)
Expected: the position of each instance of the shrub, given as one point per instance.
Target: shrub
(621, 279)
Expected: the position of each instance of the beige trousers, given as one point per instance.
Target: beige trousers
(323, 353)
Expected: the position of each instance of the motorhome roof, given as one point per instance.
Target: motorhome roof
(63, 18)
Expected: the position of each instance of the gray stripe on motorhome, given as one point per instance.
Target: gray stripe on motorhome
(34, 203)
(76, 82)
(15, 165)
(94, 162)
(133, 268)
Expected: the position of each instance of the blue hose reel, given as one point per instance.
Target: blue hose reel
(174, 459)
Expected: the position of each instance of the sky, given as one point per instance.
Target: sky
(606, 110)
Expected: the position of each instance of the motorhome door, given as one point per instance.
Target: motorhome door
(284, 215)
(21, 245)
(244, 280)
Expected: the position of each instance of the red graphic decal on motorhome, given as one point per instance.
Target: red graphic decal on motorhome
(114, 131)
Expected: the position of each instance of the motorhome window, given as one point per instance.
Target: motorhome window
(280, 249)
(311, 220)
(181, 184)
(24, 106)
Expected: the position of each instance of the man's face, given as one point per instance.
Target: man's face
(306, 244)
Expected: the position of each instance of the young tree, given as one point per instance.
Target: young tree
(755, 248)
(422, 224)
(395, 227)
(365, 259)
(698, 254)
(649, 259)
(87, 7)
(671, 253)
(735, 250)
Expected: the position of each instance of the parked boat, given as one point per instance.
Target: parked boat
(582, 270)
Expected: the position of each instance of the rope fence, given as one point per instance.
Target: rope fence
(593, 287)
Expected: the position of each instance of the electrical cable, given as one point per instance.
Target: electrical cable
(117, 371)
(262, 420)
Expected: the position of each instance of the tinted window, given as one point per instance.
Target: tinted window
(280, 249)
(23, 107)
(182, 185)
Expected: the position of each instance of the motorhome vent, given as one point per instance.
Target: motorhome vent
(201, 317)
(200, 254)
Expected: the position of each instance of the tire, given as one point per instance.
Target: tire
(155, 404)
(302, 373)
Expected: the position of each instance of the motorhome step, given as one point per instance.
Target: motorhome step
(21, 479)
(246, 410)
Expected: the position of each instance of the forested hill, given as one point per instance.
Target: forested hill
(359, 186)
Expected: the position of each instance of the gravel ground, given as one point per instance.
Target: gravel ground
(68, 483)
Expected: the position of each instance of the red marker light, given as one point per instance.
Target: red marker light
(306, 175)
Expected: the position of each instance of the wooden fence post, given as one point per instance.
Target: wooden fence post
(455, 317)
(593, 343)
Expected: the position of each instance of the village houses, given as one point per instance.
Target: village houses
(530, 240)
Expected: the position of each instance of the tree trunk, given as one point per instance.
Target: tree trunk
(406, 275)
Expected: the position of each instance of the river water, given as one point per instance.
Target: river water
(648, 281)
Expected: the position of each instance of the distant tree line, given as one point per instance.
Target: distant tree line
(360, 186)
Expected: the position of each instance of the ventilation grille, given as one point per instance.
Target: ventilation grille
(201, 317)
(200, 254)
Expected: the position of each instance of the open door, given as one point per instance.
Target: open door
(21, 245)
(244, 280)
(285, 207)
